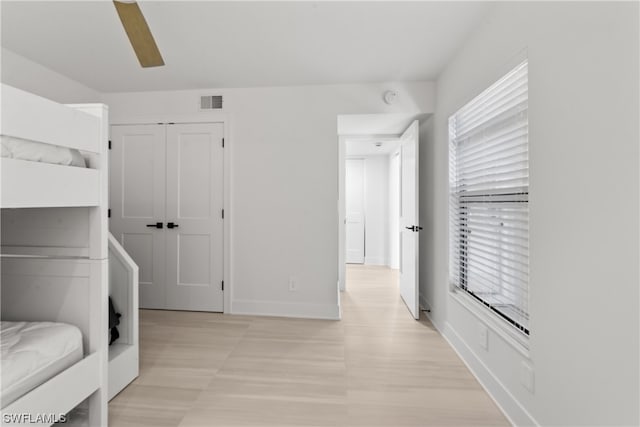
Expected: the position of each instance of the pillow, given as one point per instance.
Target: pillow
(23, 149)
(77, 159)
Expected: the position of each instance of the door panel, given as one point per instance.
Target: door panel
(354, 200)
(194, 174)
(194, 253)
(138, 175)
(137, 198)
(409, 218)
(194, 250)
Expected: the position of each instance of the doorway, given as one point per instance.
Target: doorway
(378, 205)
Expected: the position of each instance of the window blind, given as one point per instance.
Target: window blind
(489, 195)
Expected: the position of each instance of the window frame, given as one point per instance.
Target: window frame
(459, 207)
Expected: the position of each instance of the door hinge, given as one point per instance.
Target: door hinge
(108, 213)
(222, 213)
(222, 285)
(222, 142)
(109, 144)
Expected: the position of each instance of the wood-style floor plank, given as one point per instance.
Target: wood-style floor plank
(376, 367)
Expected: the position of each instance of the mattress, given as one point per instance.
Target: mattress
(22, 149)
(34, 352)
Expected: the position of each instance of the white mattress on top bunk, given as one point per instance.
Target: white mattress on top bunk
(22, 149)
(34, 352)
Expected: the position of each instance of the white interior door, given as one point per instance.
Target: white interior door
(194, 233)
(137, 203)
(166, 197)
(354, 200)
(409, 219)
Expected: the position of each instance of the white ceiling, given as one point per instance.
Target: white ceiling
(243, 44)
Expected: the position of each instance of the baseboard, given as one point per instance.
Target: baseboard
(424, 304)
(510, 407)
(374, 261)
(286, 309)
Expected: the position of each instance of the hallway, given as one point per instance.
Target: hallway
(376, 367)
(401, 371)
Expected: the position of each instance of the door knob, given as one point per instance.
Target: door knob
(172, 225)
(412, 228)
(156, 225)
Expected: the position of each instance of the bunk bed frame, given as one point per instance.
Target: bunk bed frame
(55, 260)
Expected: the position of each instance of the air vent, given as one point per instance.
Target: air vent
(211, 102)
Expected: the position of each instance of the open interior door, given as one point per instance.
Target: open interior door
(409, 219)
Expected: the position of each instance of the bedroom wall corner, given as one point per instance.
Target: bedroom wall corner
(25, 74)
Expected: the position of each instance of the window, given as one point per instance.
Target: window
(489, 198)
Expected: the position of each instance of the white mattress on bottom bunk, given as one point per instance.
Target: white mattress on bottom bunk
(34, 352)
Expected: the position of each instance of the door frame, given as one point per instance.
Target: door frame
(204, 117)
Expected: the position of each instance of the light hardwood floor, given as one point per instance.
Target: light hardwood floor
(376, 367)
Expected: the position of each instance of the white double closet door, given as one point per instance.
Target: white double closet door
(166, 201)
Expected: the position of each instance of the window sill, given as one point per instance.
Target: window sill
(510, 335)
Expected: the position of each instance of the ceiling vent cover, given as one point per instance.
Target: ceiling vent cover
(211, 102)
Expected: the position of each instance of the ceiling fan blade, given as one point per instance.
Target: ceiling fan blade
(139, 34)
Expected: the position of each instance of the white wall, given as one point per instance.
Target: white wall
(583, 118)
(376, 200)
(27, 75)
(284, 180)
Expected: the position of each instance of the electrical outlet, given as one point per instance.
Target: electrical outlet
(293, 284)
(526, 376)
(483, 336)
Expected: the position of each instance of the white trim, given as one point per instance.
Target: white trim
(508, 333)
(506, 402)
(428, 315)
(424, 304)
(202, 117)
(227, 206)
(286, 309)
(371, 260)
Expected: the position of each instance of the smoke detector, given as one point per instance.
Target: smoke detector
(390, 97)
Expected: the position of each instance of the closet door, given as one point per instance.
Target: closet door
(137, 203)
(194, 233)
(354, 200)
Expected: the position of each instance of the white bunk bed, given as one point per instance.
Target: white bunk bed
(54, 265)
